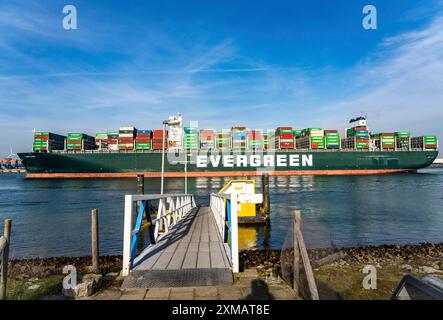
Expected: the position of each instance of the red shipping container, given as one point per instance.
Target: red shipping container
(286, 136)
(331, 131)
(141, 139)
(287, 145)
(387, 134)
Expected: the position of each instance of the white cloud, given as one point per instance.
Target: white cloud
(404, 85)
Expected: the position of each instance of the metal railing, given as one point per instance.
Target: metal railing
(171, 208)
(225, 207)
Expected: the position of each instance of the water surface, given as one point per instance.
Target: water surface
(52, 217)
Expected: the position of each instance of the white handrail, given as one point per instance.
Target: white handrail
(171, 209)
(225, 208)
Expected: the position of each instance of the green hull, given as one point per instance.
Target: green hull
(295, 162)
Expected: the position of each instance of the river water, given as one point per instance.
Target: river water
(52, 217)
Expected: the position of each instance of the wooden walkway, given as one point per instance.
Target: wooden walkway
(191, 254)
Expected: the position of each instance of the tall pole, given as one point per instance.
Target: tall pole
(186, 172)
(266, 200)
(163, 160)
(94, 240)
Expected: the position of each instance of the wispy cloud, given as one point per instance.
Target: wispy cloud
(403, 87)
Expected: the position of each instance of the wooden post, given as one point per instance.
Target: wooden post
(266, 200)
(140, 184)
(94, 240)
(305, 258)
(296, 273)
(5, 260)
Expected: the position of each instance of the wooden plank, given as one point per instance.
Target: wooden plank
(217, 259)
(183, 246)
(150, 261)
(190, 261)
(176, 261)
(203, 260)
(193, 247)
(163, 261)
(204, 247)
(172, 246)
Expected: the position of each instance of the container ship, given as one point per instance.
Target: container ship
(236, 152)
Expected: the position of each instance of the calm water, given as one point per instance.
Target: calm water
(52, 217)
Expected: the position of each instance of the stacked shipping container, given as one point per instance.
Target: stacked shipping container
(266, 139)
(311, 138)
(157, 139)
(332, 139)
(358, 138)
(126, 138)
(79, 141)
(143, 140)
(239, 137)
(387, 141)
(101, 141)
(113, 140)
(207, 139)
(284, 138)
(255, 139)
(402, 139)
(424, 143)
(191, 138)
(47, 141)
(223, 140)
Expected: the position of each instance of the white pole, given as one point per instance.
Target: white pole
(127, 235)
(234, 233)
(186, 172)
(163, 160)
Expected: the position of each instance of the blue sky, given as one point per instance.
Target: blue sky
(223, 63)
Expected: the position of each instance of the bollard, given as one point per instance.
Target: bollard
(94, 240)
(266, 200)
(140, 184)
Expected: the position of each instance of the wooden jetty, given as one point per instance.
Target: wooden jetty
(188, 245)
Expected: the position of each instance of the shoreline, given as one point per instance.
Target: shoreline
(377, 254)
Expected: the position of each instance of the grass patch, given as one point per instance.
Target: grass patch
(19, 289)
(346, 282)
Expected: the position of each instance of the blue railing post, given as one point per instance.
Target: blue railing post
(138, 224)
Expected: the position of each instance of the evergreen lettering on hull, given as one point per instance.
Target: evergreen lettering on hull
(231, 161)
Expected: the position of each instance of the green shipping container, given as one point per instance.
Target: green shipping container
(402, 134)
